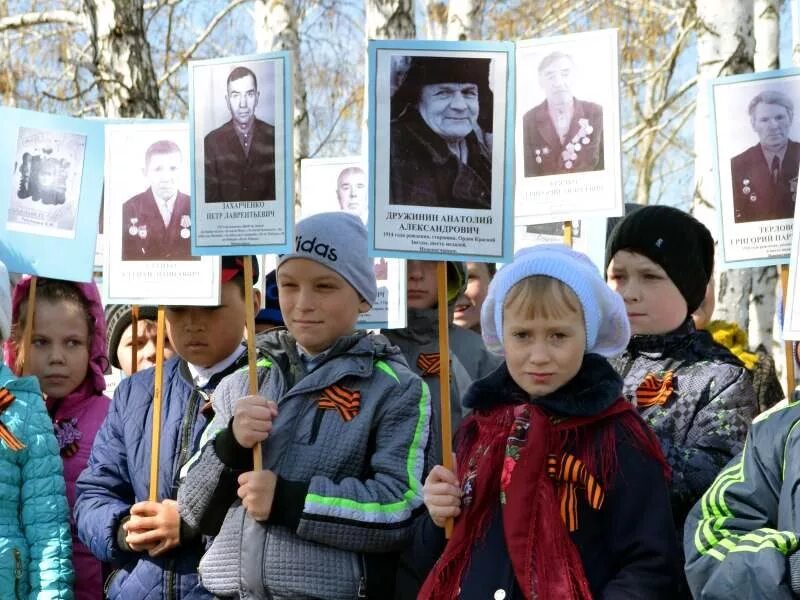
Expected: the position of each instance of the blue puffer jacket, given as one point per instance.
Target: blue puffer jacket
(35, 540)
(118, 475)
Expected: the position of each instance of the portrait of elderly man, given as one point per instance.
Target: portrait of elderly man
(440, 154)
(765, 175)
(351, 191)
(240, 155)
(156, 224)
(562, 134)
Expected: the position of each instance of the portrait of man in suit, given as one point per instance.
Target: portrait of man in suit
(156, 223)
(765, 175)
(562, 134)
(240, 154)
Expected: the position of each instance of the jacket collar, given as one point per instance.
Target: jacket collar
(665, 343)
(595, 387)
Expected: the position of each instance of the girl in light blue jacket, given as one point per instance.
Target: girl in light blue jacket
(35, 541)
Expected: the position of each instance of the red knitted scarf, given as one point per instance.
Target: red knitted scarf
(545, 561)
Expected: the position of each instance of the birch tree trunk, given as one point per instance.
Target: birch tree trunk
(123, 68)
(725, 46)
(463, 19)
(277, 27)
(764, 281)
(8, 78)
(390, 19)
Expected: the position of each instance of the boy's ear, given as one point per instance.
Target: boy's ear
(363, 306)
(256, 300)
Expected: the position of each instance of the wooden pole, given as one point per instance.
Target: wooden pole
(444, 377)
(568, 233)
(787, 345)
(28, 333)
(134, 338)
(155, 441)
(250, 327)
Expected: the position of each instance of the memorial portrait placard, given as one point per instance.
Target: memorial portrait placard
(568, 159)
(755, 136)
(440, 119)
(148, 222)
(242, 154)
(333, 184)
(51, 176)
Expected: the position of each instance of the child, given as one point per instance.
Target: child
(154, 553)
(68, 356)
(695, 394)
(553, 464)
(119, 331)
(344, 436)
(419, 341)
(35, 548)
(741, 537)
(467, 308)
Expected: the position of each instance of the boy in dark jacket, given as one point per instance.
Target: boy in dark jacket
(555, 469)
(154, 552)
(343, 424)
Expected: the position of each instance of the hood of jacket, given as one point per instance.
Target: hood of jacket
(95, 382)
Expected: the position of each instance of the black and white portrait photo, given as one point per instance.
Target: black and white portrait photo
(46, 182)
(568, 159)
(241, 140)
(563, 133)
(764, 176)
(755, 150)
(441, 153)
(240, 153)
(148, 223)
(156, 222)
(440, 140)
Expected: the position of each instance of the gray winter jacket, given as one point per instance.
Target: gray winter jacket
(348, 479)
(469, 361)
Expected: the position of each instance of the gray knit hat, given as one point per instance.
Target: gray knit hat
(337, 240)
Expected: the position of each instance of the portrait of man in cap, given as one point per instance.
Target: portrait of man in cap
(440, 134)
(240, 154)
(765, 175)
(562, 134)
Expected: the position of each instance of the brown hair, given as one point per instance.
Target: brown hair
(542, 296)
(49, 290)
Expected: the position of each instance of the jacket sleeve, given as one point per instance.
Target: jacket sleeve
(715, 436)
(104, 490)
(645, 547)
(211, 177)
(209, 478)
(45, 514)
(376, 514)
(732, 547)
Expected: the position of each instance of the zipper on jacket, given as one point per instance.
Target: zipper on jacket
(17, 573)
(170, 580)
(363, 592)
(316, 425)
(186, 430)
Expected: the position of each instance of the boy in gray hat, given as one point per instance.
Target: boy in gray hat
(343, 426)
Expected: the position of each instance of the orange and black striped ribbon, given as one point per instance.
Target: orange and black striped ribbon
(428, 364)
(6, 398)
(654, 390)
(346, 402)
(571, 471)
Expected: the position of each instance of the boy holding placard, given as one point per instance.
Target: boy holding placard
(343, 425)
(154, 552)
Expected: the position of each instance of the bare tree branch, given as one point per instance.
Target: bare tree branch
(48, 17)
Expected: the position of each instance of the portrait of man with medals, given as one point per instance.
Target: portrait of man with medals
(562, 134)
(765, 175)
(157, 222)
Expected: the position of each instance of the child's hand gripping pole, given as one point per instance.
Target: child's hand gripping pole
(155, 441)
(444, 377)
(250, 326)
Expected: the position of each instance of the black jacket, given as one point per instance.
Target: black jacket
(628, 548)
